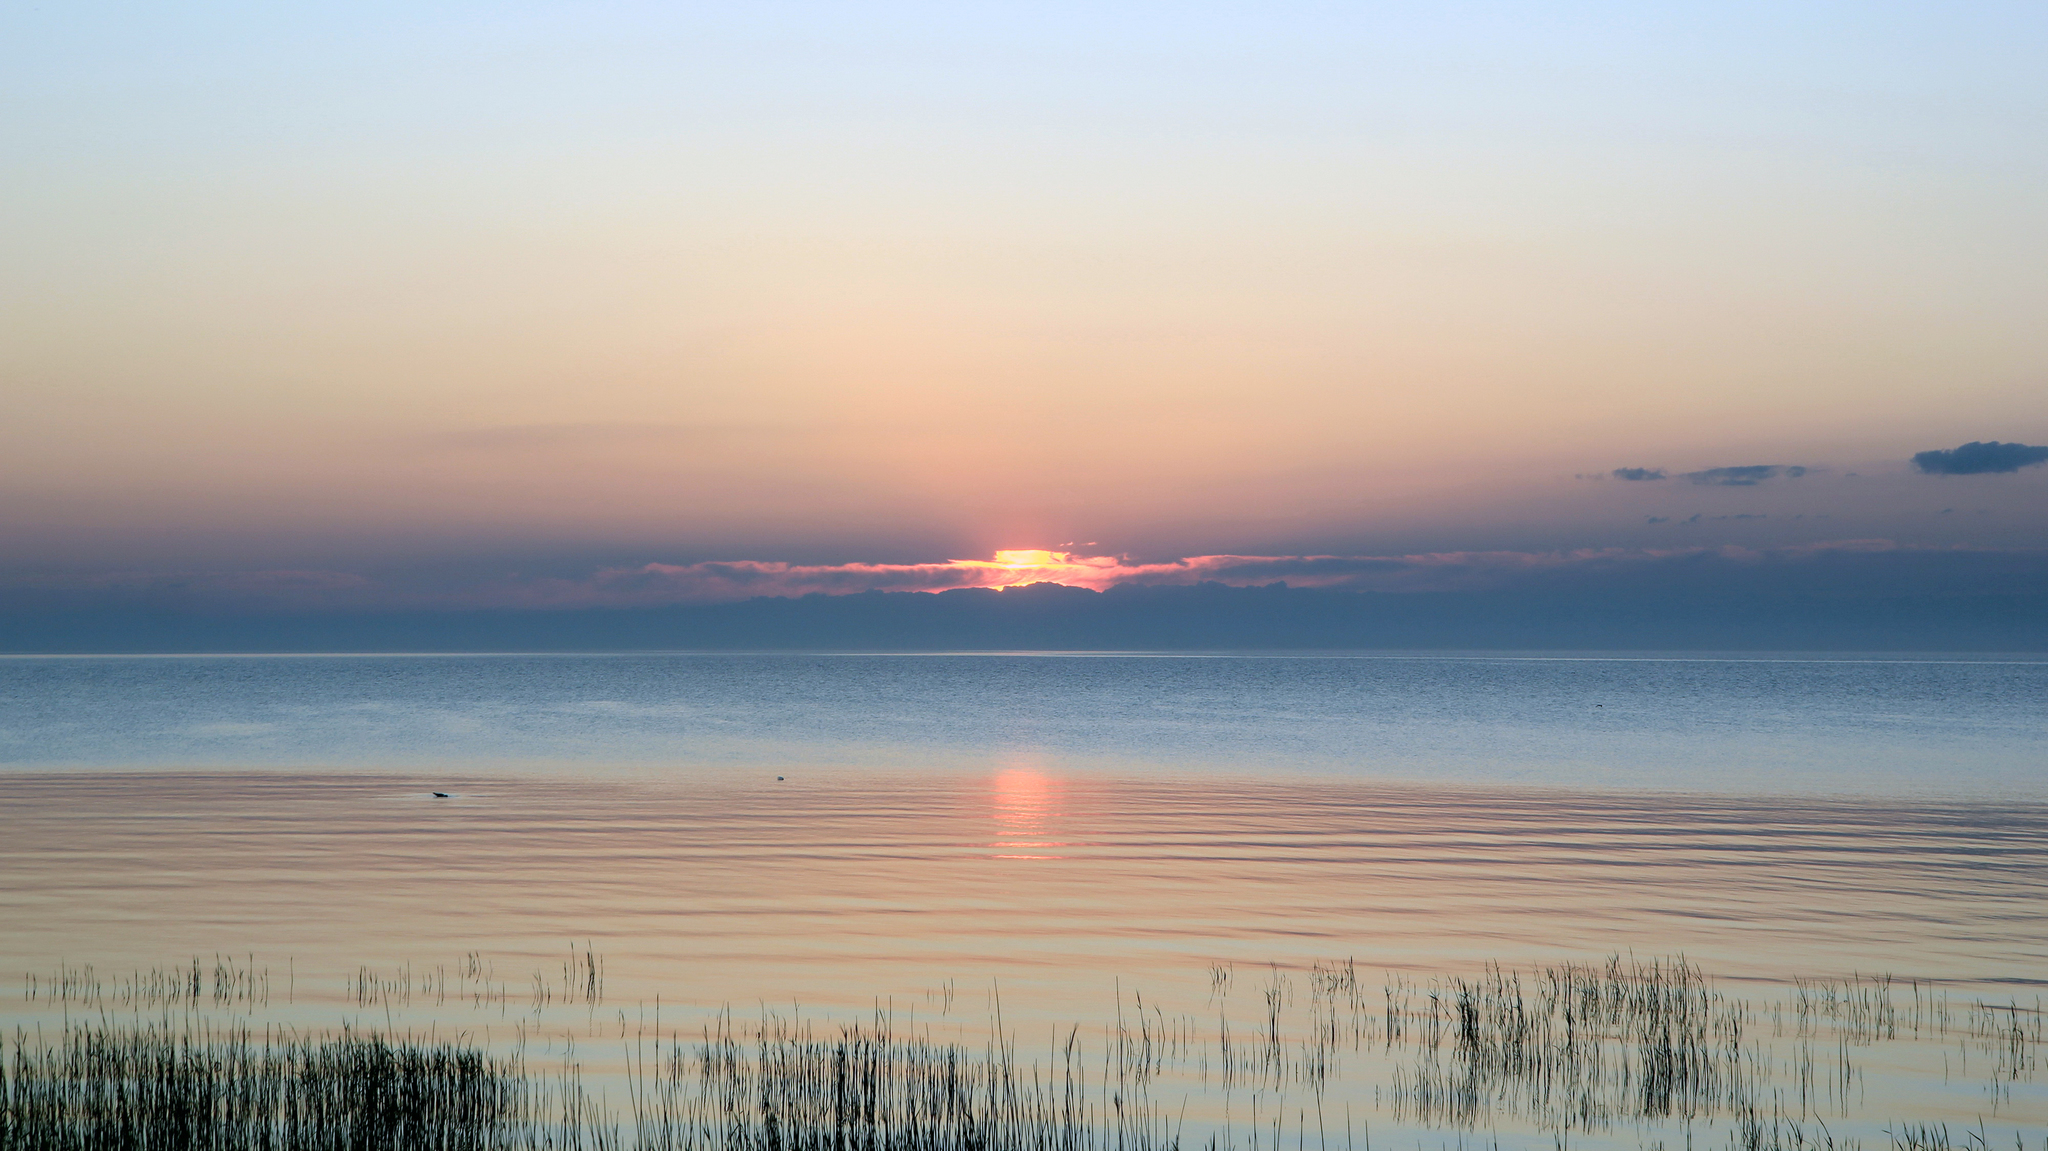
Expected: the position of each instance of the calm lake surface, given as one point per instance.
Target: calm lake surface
(1057, 837)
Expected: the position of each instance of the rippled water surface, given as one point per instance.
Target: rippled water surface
(1054, 838)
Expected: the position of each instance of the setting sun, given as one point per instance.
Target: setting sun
(1021, 566)
(1029, 558)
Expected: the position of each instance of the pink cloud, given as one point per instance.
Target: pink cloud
(717, 581)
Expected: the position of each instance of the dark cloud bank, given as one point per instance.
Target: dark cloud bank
(1976, 458)
(1839, 598)
(1980, 457)
(1741, 476)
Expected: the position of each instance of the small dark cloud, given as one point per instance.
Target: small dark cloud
(1744, 476)
(1658, 520)
(1979, 457)
(1639, 473)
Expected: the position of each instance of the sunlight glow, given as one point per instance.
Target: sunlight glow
(1021, 566)
(1031, 558)
(1025, 802)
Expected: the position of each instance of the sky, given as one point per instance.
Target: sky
(522, 303)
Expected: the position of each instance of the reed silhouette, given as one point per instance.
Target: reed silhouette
(1565, 1051)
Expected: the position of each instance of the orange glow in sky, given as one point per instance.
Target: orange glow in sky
(1025, 566)
(1030, 558)
(1034, 565)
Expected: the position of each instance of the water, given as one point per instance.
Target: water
(1058, 835)
(1876, 726)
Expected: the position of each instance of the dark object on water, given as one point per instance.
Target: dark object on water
(440, 795)
(778, 779)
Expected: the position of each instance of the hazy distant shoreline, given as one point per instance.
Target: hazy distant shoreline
(1047, 617)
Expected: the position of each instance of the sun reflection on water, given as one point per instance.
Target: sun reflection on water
(1025, 802)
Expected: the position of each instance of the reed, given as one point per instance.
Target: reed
(1571, 1047)
(778, 1086)
(222, 983)
(1569, 1050)
(93, 1087)
(1755, 1132)
(1937, 1137)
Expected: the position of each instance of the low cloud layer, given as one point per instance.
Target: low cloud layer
(1740, 476)
(1745, 476)
(1979, 457)
(652, 584)
(1854, 567)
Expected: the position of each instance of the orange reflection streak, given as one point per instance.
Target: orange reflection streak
(1025, 804)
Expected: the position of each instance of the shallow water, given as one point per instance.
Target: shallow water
(1060, 835)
